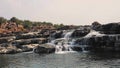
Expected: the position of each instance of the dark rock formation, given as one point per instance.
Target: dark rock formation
(111, 28)
(68, 27)
(20, 43)
(80, 32)
(9, 49)
(76, 48)
(28, 36)
(57, 34)
(103, 43)
(42, 49)
(45, 33)
(95, 25)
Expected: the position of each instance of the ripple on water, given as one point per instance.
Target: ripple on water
(60, 60)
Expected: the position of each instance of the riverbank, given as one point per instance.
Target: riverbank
(22, 42)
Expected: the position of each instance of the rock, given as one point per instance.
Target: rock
(45, 33)
(80, 32)
(57, 34)
(6, 39)
(28, 35)
(95, 25)
(45, 48)
(30, 47)
(26, 49)
(7, 27)
(111, 28)
(66, 27)
(9, 50)
(102, 43)
(18, 43)
(76, 48)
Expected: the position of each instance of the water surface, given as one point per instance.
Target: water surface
(65, 60)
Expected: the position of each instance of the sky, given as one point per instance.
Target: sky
(69, 12)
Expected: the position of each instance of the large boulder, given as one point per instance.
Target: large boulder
(95, 25)
(9, 50)
(101, 43)
(80, 32)
(57, 34)
(45, 48)
(29, 47)
(111, 28)
(45, 33)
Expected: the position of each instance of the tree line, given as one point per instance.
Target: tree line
(27, 23)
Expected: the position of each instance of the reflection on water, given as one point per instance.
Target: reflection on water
(69, 60)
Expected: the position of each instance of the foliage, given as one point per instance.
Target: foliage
(58, 25)
(28, 24)
(2, 20)
(16, 20)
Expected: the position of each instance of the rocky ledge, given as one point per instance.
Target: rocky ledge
(21, 43)
(101, 43)
(45, 48)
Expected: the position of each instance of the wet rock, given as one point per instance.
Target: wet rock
(28, 35)
(26, 49)
(57, 34)
(66, 27)
(111, 28)
(103, 43)
(45, 33)
(18, 43)
(80, 32)
(30, 47)
(42, 49)
(95, 25)
(6, 39)
(9, 50)
(76, 48)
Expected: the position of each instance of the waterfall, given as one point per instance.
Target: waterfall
(66, 44)
(62, 47)
(68, 34)
(94, 33)
(63, 44)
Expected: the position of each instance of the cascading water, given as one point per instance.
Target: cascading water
(94, 33)
(83, 44)
(63, 44)
(66, 43)
(68, 34)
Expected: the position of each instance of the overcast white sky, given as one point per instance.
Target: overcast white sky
(76, 12)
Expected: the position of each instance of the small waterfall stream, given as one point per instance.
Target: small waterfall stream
(94, 33)
(63, 44)
(66, 43)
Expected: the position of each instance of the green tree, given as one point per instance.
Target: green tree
(47, 23)
(16, 20)
(27, 24)
(2, 20)
(58, 25)
(36, 23)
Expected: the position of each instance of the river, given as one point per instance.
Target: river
(60, 60)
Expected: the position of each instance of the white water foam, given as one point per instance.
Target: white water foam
(94, 33)
(63, 45)
(65, 52)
